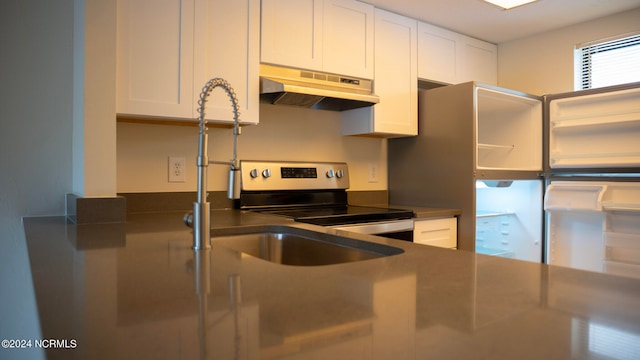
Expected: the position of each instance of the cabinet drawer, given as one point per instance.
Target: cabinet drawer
(436, 232)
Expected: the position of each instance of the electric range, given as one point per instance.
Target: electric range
(315, 193)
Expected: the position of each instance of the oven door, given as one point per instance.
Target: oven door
(395, 229)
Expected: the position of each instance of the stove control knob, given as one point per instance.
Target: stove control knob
(266, 173)
(340, 174)
(330, 173)
(253, 173)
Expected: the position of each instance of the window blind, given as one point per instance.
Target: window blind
(607, 62)
(595, 341)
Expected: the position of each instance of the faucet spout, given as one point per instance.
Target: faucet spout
(201, 208)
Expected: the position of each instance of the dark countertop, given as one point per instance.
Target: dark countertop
(138, 291)
(428, 212)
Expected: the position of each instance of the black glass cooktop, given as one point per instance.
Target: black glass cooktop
(340, 215)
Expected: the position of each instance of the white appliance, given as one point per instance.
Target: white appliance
(492, 152)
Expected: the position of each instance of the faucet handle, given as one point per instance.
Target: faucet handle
(188, 219)
(233, 192)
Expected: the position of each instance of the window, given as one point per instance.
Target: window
(607, 62)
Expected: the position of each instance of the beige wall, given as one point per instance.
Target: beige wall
(284, 133)
(94, 98)
(543, 64)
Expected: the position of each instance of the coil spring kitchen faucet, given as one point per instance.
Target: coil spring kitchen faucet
(201, 217)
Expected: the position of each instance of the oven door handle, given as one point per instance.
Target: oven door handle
(381, 227)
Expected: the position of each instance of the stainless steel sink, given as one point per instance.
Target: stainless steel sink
(301, 247)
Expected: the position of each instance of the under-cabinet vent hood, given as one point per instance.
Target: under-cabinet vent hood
(316, 90)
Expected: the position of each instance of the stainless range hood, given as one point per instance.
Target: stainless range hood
(316, 90)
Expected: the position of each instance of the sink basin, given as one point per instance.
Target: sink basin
(301, 247)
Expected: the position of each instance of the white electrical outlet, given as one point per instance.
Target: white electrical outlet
(373, 172)
(176, 168)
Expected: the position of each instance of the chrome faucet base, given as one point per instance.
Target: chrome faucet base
(201, 225)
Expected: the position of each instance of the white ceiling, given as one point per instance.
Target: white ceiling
(487, 22)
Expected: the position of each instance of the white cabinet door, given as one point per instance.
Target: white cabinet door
(334, 36)
(292, 33)
(478, 61)
(234, 57)
(155, 58)
(395, 82)
(436, 232)
(348, 38)
(437, 54)
(452, 58)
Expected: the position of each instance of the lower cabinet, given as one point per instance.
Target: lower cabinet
(441, 232)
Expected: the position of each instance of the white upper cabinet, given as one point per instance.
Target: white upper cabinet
(334, 36)
(437, 54)
(452, 58)
(228, 46)
(154, 58)
(291, 32)
(395, 82)
(478, 61)
(348, 38)
(166, 51)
